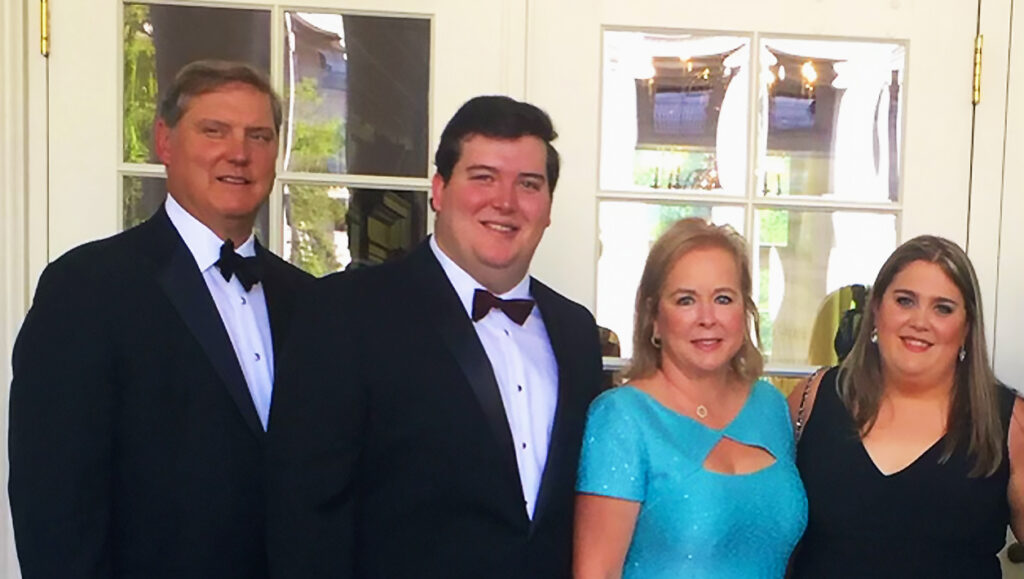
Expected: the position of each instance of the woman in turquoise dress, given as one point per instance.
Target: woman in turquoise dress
(688, 469)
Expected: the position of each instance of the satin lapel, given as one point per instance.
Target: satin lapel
(181, 280)
(558, 463)
(456, 329)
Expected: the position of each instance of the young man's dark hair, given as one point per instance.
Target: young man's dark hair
(497, 117)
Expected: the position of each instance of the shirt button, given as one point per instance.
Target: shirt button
(506, 332)
(519, 387)
(257, 356)
(243, 301)
(524, 445)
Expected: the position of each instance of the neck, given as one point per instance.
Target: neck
(237, 232)
(703, 387)
(922, 390)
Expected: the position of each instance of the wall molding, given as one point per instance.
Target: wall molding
(14, 176)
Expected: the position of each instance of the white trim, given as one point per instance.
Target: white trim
(13, 254)
(988, 166)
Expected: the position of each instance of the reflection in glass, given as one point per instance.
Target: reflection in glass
(142, 196)
(627, 229)
(158, 40)
(805, 264)
(329, 228)
(674, 112)
(356, 91)
(830, 119)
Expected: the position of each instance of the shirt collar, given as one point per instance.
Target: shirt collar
(201, 241)
(464, 284)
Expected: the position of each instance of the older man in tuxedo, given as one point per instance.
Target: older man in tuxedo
(143, 372)
(429, 415)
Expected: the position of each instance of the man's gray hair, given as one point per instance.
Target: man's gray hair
(204, 76)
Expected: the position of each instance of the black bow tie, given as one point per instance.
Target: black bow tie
(247, 269)
(516, 310)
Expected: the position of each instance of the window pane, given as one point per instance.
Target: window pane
(159, 40)
(674, 112)
(832, 112)
(627, 231)
(356, 90)
(142, 196)
(805, 263)
(329, 228)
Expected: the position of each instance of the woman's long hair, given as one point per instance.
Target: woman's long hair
(974, 410)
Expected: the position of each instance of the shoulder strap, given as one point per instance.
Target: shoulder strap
(801, 412)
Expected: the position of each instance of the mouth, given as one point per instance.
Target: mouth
(503, 228)
(234, 180)
(706, 344)
(915, 344)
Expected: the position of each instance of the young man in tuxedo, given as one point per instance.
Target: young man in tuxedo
(429, 415)
(144, 369)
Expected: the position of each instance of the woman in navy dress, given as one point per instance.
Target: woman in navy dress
(911, 452)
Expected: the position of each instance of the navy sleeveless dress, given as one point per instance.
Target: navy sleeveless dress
(928, 520)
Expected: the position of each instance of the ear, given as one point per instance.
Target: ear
(436, 192)
(162, 141)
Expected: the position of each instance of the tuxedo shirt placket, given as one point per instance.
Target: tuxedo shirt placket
(527, 387)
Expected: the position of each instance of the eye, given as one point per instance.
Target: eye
(482, 178)
(532, 184)
(684, 301)
(723, 299)
(904, 301)
(944, 309)
(212, 131)
(263, 137)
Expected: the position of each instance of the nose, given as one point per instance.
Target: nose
(506, 197)
(706, 315)
(919, 319)
(238, 150)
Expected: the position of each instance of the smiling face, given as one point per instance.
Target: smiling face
(922, 323)
(492, 212)
(700, 316)
(220, 157)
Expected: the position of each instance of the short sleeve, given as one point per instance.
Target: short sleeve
(613, 461)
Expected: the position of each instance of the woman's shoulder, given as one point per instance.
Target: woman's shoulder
(617, 399)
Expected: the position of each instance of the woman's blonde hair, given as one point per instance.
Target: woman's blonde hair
(685, 236)
(974, 418)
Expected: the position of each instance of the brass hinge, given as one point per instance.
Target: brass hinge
(44, 27)
(976, 92)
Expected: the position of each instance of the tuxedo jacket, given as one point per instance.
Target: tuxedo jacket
(390, 451)
(135, 447)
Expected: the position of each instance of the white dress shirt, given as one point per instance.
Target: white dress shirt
(525, 369)
(244, 314)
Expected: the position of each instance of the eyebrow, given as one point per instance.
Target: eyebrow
(717, 290)
(491, 169)
(912, 293)
(220, 123)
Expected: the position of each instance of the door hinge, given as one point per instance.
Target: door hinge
(976, 86)
(44, 27)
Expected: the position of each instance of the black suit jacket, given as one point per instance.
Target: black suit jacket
(135, 448)
(390, 452)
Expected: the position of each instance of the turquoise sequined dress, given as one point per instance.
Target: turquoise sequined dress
(694, 522)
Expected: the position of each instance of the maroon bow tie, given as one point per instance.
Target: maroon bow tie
(516, 310)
